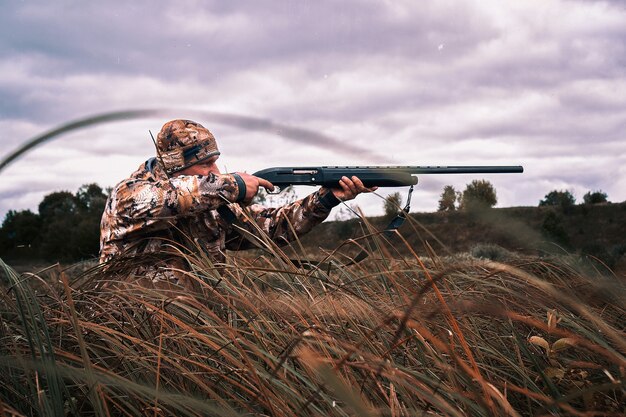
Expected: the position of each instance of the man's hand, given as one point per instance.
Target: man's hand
(252, 185)
(350, 188)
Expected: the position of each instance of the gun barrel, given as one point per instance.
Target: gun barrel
(467, 169)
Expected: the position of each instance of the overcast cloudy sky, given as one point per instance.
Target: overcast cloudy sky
(446, 82)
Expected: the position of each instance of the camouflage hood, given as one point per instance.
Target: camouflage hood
(183, 143)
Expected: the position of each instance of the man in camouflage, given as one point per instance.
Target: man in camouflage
(181, 199)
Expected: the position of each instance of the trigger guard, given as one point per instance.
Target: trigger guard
(277, 190)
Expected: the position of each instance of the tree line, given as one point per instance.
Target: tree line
(481, 194)
(67, 225)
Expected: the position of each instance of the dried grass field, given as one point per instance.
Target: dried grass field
(393, 335)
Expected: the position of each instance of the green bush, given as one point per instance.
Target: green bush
(392, 204)
(562, 199)
(478, 195)
(596, 197)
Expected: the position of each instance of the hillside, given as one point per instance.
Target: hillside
(596, 230)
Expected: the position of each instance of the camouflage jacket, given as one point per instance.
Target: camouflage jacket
(149, 214)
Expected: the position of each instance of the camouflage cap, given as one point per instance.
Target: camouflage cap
(183, 143)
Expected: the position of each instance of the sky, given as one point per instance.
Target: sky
(297, 83)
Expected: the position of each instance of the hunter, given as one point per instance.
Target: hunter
(180, 199)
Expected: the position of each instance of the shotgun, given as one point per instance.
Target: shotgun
(381, 176)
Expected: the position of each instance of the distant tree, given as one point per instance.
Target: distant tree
(595, 197)
(562, 199)
(392, 203)
(59, 217)
(19, 229)
(479, 194)
(59, 203)
(67, 227)
(86, 238)
(57, 240)
(91, 197)
(448, 199)
(70, 223)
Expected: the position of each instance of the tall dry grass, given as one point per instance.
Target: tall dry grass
(394, 335)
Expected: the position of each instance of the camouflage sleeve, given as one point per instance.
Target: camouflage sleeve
(139, 204)
(302, 215)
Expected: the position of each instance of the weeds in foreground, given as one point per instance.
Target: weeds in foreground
(390, 336)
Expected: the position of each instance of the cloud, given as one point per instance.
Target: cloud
(439, 82)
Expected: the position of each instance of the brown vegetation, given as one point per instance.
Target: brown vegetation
(394, 335)
(595, 232)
